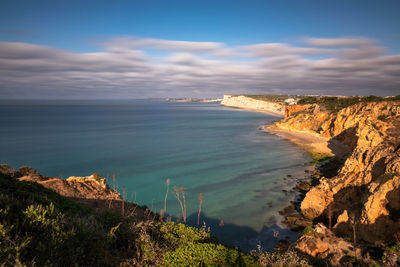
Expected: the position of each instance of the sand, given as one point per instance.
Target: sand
(267, 111)
(308, 141)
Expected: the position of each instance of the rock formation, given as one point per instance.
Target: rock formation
(249, 103)
(365, 193)
(89, 187)
(319, 242)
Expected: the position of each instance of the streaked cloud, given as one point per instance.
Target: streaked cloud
(158, 44)
(127, 67)
(339, 41)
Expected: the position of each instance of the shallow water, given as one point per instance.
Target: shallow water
(203, 147)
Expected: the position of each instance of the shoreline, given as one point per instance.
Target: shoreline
(269, 112)
(308, 141)
(317, 147)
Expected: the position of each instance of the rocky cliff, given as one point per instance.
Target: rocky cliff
(362, 199)
(249, 103)
(88, 187)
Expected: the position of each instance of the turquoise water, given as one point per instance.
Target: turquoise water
(203, 147)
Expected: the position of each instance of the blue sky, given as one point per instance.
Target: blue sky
(85, 27)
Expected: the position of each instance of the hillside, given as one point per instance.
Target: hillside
(91, 225)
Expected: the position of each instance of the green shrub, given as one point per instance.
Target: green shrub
(176, 234)
(289, 258)
(393, 98)
(201, 254)
(392, 255)
(335, 104)
(6, 170)
(309, 231)
(319, 157)
(28, 171)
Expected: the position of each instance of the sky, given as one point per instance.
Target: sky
(148, 48)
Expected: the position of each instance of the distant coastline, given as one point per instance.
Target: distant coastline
(183, 100)
(252, 104)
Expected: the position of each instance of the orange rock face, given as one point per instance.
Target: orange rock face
(89, 187)
(367, 185)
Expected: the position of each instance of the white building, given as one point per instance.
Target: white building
(291, 101)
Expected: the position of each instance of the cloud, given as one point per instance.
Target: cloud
(278, 49)
(129, 68)
(339, 41)
(157, 44)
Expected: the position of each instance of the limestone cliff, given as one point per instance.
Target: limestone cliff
(366, 190)
(249, 103)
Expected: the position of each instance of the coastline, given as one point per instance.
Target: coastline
(252, 104)
(269, 112)
(318, 148)
(308, 141)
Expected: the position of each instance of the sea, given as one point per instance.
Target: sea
(245, 175)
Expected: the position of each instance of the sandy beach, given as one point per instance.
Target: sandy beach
(310, 142)
(270, 112)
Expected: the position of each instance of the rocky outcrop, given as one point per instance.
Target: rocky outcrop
(321, 243)
(314, 119)
(366, 190)
(298, 118)
(89, 187)
(249, 103)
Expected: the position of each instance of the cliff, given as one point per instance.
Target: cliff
(250, 103)
(361, 197)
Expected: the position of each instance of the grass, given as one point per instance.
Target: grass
(319, 157)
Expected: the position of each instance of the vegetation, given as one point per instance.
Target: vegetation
(319, 157)
(334, 104)
(392, 255)
(273, 98)
(289, 258)
(38, 227)
(309, 231)
(329, 103)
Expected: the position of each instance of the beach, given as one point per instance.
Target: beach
(266, 111)
(308, 141)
